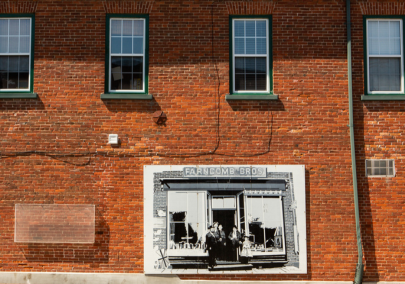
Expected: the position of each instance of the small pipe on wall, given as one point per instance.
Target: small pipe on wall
(358, 278)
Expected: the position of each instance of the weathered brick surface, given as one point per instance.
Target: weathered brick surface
(18, 6)
(68, 126)
(379, 135)
(128, 7)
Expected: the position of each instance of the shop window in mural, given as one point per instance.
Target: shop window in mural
(265, 223)
(186, 220)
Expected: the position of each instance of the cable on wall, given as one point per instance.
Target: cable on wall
(108, 153)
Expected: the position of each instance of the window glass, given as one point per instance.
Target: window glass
(138, 28)
(250, 74)
(217, 203)
(3, 44)
(13, 44)
(177, 216)
(385, 74)
(384, 56)
(127, 55)
(25, 27)
(15, 54)
(229, 202)
(196, 217)
(3, 27)
(223, 202)
(250, 56)
(265, 223)
(24, 44)
(186, 219)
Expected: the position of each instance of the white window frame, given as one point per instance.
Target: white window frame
(187, 252)
(29, 53)
(247, 210)
(267, 56)
(385, 56)
(387, 167)
(143, 55)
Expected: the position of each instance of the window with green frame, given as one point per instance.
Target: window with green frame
(251, 57)
(384, 55)
(16, 54)
(127, 54)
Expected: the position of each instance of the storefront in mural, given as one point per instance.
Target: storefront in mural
(218, 219)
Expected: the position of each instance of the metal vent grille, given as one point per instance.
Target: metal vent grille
(380, 168)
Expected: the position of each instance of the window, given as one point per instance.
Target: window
(380, 168)
(187, 219)
(264, 216)
(224, 202)
(251, 55)
(384, 59)
(16, 53)
(127, 64)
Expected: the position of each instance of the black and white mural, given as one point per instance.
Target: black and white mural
(225, 219)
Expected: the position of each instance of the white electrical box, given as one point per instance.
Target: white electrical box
(113, 139)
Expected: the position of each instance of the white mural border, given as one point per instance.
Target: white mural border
(156, 260)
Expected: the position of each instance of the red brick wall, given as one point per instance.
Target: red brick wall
(379, 135)
(68, 126)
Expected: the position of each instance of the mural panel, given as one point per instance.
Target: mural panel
(225, 219)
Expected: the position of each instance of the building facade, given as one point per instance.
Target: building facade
(129, 127)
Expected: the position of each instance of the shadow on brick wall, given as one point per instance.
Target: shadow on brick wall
(366, 224)
(256, 105)
(377, 204)
(308, 223)
(143, 106)
(21, 104)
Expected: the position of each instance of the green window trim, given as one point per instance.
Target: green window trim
(27, 93)
(382, 95)
(251, 94)
(383, 98)
(251, 97)
(122, 96)
(17, 95)
(127, 94)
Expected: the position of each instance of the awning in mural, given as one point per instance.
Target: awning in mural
(218, 184)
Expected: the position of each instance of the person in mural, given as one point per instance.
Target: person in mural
(211, 242)
(221, 243)
(216, 230)
(216, 233)
(246, 253)
(235, 238)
